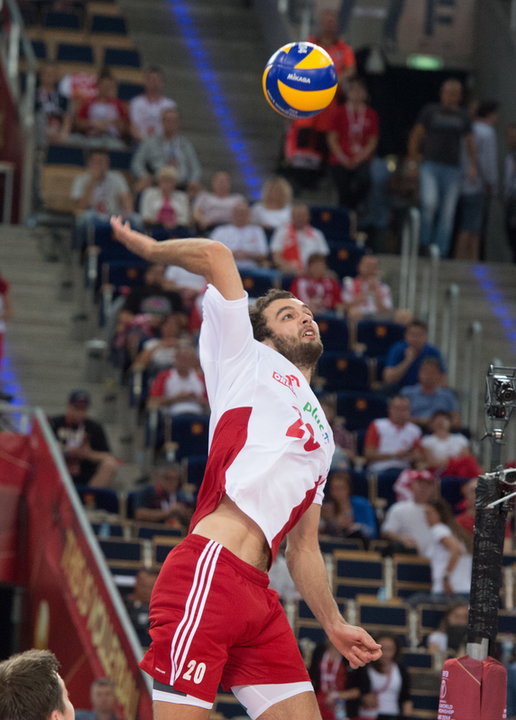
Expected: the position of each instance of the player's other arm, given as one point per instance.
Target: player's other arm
(213, 260)
(306, 565)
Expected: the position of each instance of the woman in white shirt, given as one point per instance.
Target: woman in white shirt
(274, 208)
(447, 452)
(449, 552)
(164, 206)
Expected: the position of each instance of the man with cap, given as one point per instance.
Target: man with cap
(84, 443)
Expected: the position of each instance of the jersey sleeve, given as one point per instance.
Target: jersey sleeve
(226, 330)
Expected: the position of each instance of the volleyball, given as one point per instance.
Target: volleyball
(299, 80)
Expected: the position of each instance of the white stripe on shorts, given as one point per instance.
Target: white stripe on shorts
(180, 699)
(194, 607)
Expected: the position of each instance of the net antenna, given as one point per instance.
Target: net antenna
(491, 506)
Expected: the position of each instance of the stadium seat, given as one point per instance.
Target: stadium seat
(428, 618)
(108, 529)
(64, 155)
(344, 258)
(62, 20)
(451, 489)
(121, 57)
(121, 549)
(99, 498)
(418, 660)
(359, 483)
(334, 332)
(343, 371)
(120, 160)
(425, 705)
(147, 531)
(357, 573)
(128, 90)
(328, 544)
(161, 546)
(78, 54)
(378, 336)
(360, 408)
(107, 25)
(385, 485)
(258, 282)
(195, 468)
(227, 707)
(190, 432)
(332, 221)
(377, 616)
(411, 575)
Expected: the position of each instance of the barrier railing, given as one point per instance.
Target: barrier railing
(449, 331)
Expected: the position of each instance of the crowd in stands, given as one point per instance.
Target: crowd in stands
(411, 444)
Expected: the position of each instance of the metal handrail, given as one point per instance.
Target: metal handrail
(408, 259)
(470, 400)
(449, 330)
(433, 292)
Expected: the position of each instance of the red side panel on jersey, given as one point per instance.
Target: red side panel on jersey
(228, 440)
(296, 513)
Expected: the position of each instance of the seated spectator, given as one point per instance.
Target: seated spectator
(53, 116)
(304, 154)
(180, 390)
(445, 452)
(164, 500)
(345, 441)
(103, 121)
(344, 514)
(334, 684)
(191, 288)
(215, 206)
(452, 631)
(247, 241)
(466, 518)
(449, 551)
(155, 285)
(159, 353)
(84, 443)
(100, 192)
(385, 684)
(293, 243)
(405, 524)
(405, 357)
(165, 208)
(78, 88)
(168, 148)
(429, 395)
(137, 603)
(103, 701)
(145, 109)
(392, 442)
(275, 205)
(366, 296)
(318, 287)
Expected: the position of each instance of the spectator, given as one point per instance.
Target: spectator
(392, 443)
(365, 295)
(334, 684)
(6, 312)
(293, 243)
(32, 689)
(405, 522)
(451, 633)
(344, 514)
(191, 288)
(509, 190)
(445, 452)
(318, 287)
(160, 353)
(405, 357)
(476, 194)
(164, 500)
(180, 390)
(103, 121)
(352, 140)
(466, 518)
(145, 109)
(449, 552)
(345, 441)
(435, 142)
(155, 285)
(429, 395)
(78, 87)
(168, 148)
(275, 206)
(246, 240)
(304, 154)
(280, 579)
(214, 207)
(386, 689)
(163, 207)
(103, 701)
(100, 192)
(53, 116)
(137, 603)
(84, 443)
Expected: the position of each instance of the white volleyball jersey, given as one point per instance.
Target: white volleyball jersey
(270, 443)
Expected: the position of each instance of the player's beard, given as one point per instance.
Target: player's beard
(300, 354)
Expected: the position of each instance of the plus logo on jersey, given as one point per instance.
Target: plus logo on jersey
(298, 429)
(288, 381)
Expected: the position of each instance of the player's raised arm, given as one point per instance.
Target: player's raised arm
(202, 256)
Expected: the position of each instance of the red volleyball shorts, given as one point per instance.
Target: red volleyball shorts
(213, 620)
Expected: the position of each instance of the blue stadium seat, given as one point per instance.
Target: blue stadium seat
(360, 408)
(333, 222)
(359, 483)
(379, 335)
(128, 90)
(228, 707)
(64, 155)
(150, 530)
(195, 468)
(120, 160)
(429, 618)
(108, 25)
(451, 489)
(385, 485)
(39, 49)
(75, 53)
(343, 371)
(411, 575)
(357, 573)
(344, 258)
(328, 544)
(258, 282)
(121, 57)
(417, 659)
(120, 549)
(334, 332)
(58, 20)
(190, 432)
(99, 498)
(376, 616)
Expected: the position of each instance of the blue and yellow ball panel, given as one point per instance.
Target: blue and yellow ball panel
(299, 80)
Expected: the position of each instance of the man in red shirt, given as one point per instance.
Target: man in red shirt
(317, 287)
(104, 118)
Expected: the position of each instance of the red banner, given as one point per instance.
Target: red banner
(11, 140)
(70, 607)
(14, 467)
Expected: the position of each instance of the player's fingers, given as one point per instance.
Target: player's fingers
(354, 658)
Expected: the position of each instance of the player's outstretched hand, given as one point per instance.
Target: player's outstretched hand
(357, 646)
(137, 242)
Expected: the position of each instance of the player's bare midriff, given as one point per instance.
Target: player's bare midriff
(235, 530)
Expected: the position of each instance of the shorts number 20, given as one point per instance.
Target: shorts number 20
(197, 670)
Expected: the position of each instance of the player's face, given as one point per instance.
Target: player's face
(295, 334)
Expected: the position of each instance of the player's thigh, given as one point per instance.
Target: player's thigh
(301, 707)
(171, 711)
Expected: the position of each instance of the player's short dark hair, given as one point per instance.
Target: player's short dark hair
(258, 321)
(30, 687)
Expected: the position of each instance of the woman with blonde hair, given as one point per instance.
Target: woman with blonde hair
(275, 205)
